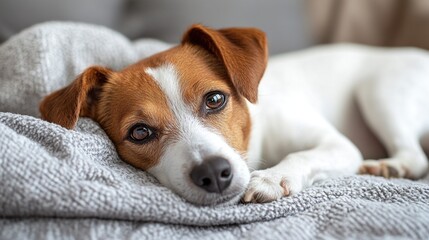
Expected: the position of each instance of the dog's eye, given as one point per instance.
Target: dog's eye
(215, 101)
(140, 133)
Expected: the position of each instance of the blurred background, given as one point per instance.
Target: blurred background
(290, 24)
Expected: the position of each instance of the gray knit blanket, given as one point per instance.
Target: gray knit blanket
(70, 184)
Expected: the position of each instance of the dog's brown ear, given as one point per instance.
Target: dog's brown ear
(77, 99)
(243, 52)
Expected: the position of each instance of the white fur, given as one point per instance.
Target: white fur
(316, 109)
(195, 143)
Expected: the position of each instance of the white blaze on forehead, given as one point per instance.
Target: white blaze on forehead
(200, 141)
(168, 80)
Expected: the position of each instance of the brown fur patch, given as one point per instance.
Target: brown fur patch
(78, 99)
(133, 97)
(242, 51)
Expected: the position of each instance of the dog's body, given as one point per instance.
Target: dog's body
(323, 110)
(188, 115)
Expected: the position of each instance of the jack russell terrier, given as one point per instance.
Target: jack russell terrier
(189, 116)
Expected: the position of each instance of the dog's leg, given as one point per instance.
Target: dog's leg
(396, 110)
(328, 154)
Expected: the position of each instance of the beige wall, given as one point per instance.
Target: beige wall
(374, 22)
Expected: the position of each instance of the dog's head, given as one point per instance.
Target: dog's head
(181, 114)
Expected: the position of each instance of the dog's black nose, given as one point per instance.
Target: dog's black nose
(213, 175)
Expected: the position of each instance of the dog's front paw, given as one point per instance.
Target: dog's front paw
(266, 186)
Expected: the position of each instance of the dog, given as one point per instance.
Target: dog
(199, 118)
